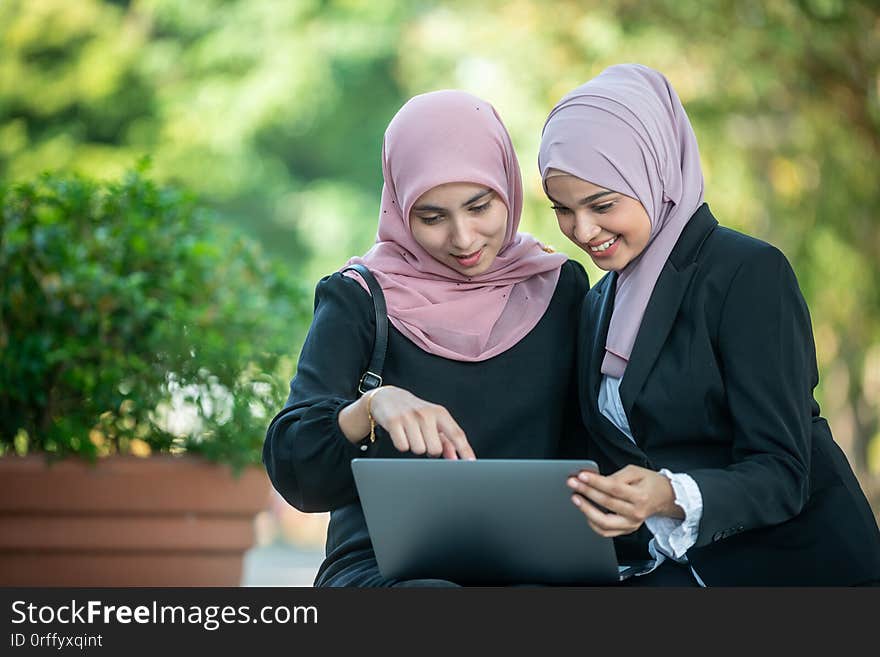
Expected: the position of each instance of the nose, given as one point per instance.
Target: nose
(585, 229)
(463, 234)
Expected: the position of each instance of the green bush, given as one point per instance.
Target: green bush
(121, 301)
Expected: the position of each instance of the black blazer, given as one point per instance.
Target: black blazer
(720, 386)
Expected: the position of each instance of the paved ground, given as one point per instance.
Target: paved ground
(280, 564)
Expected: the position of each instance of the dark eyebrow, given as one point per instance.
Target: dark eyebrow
(428, 208)
(588, 199)
(476, 197)
(435, 208)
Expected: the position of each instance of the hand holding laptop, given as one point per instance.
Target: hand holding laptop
(619, 503)
(414, 424)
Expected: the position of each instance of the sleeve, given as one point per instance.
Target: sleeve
(768, 364)
(306, 455)
(675, 537)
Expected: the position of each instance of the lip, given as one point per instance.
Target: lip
(607, 253)
(470, 259)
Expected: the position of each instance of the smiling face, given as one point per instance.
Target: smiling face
(611, 227)
(460, 224)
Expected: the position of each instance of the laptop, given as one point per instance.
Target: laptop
(484, 522)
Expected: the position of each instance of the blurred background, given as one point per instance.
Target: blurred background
(270, 113)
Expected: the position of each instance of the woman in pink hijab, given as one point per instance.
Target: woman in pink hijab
(697, 363)
(480, 357)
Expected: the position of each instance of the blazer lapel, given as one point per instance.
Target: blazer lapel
(664, 304)
(656, 324)
(597, 310)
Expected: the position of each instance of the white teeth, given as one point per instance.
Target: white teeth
(604, 245)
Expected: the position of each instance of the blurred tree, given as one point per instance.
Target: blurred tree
(247, 103)
(274, 111)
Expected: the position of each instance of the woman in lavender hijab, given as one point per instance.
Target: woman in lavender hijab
(480, 358)
(696, 361)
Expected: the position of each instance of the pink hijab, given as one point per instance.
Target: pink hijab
(626, 130)
(442, 137)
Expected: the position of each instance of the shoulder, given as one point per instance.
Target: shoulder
(573, 275)
(728, 245)
(343, 294)
(736, 256)
(748, 275)
(571, 287)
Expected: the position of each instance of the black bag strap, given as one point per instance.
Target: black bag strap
(372, 378)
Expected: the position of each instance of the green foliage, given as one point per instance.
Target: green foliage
(244, 102)
(273, 113)
(130, 323)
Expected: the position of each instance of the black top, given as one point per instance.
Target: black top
(719, 385)
(518, 404)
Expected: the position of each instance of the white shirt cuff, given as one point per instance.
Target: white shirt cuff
(675, 537)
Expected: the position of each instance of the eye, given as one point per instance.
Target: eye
(430, 221)
(477, 209)
(559, 209)
(602, 208)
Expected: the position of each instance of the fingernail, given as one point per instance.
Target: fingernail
(576, 500)
(583, 476)
(572, 482)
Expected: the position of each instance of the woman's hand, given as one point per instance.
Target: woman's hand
(415, 425)
(619, 503)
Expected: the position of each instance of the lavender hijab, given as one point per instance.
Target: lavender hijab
(626, 130)
(442, 137)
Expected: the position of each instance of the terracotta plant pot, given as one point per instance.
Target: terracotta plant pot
(126, 521)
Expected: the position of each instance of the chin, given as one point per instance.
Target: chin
(615, 264)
